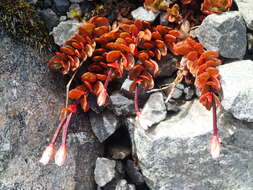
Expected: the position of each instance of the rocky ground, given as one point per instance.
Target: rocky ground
(109, 150)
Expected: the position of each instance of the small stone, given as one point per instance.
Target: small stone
(245, 8)
(61, 6)
(134, 173)
(189, 93)
(143, 14)
(49, 17)
(171, 106)
(163, 19)
(177, 93)
(104, 171)
(122, 185)
(131, 187)
(180, 86)
(118, 152)
(167, 66)
(121, 105)
(237, 87)
(155, 109)
(64, 31)
(104, 124)
(225, 33)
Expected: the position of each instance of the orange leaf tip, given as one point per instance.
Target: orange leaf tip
(47, 154)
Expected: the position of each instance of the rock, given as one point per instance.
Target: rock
(118, 152)
(31, 97)
(121, 105)
(122, 185)
(177, 91)
(47, 3)
(104, 124)
(167, 66)
(171, 106)
(134, 173)
(245, 8)
(174, 154)
(163, 19)
(143, 14)
(131, 187)
(49, 17)
(189, 93)
(125, 88)
(76, 1)
(225, 33)
(61, 6)
(64, 31)
(104, 171)
(155, 109)
(237, 87)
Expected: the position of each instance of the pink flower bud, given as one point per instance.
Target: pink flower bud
(61, 155)
(47, 154)
(215, 147)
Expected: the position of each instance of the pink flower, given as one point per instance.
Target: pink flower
(215, 147)
(61, 155)
(47, 154)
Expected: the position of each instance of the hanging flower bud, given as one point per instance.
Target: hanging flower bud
(47, 154)
(215, 147)
(61, 155)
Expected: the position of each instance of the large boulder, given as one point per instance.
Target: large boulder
(237, 87)
(31, 97)
(174, 155)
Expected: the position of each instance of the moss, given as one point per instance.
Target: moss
(20, 19)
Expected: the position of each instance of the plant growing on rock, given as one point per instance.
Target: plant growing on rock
(101, 52)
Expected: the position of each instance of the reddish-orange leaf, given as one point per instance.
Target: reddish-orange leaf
(67, 50)
(84, 103)
(86, 29)
(88, 76)
(75, 93)
(113, 55)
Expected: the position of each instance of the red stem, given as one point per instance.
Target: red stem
(65, 129)
(215, 128)
(136, 94)
(57, 132)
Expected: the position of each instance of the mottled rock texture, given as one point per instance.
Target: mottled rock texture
(31, 97)
(173, 155)
(225, 33)
(245, 8)
(237, 86)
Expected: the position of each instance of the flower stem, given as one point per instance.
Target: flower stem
(108, 78)
(65, 129)
(56, 134)
(215, 128)
(136, 106)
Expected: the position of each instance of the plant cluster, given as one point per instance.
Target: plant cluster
(101, 51)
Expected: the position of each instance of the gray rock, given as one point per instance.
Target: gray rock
(131, 187)
(49, 17)
(125, 88)
(189, 93)
(163, 19)
(121, 105)
(61, 6)
(31, 97)
(104, 171)
(104, 124)
(225, 33)
(134, 173)
(64, 31)
(155, 109)
(174, 154)
(47, 3)
(167, 66)
(119, 152)
(76, 1)
(237, 86)
(122, 185)
(245, 8)
(177, 91)
(143, 14)
(171, 106)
